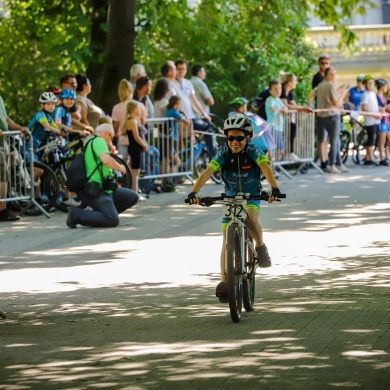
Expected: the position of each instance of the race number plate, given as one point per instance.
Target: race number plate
(234, 208)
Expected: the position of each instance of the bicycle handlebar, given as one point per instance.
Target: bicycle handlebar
(210, 200)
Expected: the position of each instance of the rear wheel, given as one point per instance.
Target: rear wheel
(234, 271)
(249, 279)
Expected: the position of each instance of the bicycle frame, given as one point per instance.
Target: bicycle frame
(237, 219)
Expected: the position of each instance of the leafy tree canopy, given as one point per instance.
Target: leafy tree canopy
(242, 43)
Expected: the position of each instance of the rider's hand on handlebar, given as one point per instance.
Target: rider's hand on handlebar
(192, 199)
(273, 194)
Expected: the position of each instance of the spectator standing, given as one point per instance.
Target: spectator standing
(160, 97)
(168, 71)
(143, 87)
(275, 110)
(6, 124)
(372, 121)
(137, 71)
(328, 121)
(90, 112)
(323, 63)
(125, 93)
(384, 128)
(289, 82)
(202, 91)
(106, 201)
(137, 142)
(354, 97)
(185, 90)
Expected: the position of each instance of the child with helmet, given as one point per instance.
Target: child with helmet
(42, 123)
(241, 164)
(62, 115)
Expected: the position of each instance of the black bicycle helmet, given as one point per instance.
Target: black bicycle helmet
(238, 122)
(380, 82)
(238, 102)
(48, 97)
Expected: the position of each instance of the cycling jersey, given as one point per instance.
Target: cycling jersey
(37, 130)
(62, 116)
(240, 171)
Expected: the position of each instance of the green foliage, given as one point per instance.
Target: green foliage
(41, 41)
(241, 43)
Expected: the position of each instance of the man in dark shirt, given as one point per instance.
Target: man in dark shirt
(323, 63)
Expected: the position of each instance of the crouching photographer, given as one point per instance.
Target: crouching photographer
(101, 193)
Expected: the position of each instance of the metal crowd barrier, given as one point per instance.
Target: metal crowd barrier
(170, 155)
(303, 143)
(18, 173)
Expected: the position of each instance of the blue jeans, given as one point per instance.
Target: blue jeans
(105, 208)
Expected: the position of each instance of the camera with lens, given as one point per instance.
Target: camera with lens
(109, 183)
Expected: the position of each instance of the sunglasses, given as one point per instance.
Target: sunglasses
(324, 63)
(238, 138)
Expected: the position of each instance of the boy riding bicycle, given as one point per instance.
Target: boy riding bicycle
(241, 165)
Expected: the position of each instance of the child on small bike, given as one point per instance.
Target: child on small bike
(62, 115)
(43, 124)
(241, 164)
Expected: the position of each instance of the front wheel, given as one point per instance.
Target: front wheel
(48, 185)
(249, 279)
(234, 271)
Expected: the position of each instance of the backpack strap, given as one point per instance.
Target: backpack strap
(98, 163)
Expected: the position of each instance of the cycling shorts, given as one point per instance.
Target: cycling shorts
(251, 204)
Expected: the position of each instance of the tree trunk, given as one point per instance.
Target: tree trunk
(95, 67)
(119, 52)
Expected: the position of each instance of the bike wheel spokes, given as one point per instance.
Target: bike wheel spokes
(249, 279)
(234, 271)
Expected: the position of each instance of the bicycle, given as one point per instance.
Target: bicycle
(240, 258)
(58, 158)
(353, 138)
(21, 181)
(202, 154)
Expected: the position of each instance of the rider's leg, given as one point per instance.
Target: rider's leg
(256, 231)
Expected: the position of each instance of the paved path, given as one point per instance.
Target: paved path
(134, 307)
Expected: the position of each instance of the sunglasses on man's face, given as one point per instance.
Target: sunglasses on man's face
(238, 138)
(324, 63)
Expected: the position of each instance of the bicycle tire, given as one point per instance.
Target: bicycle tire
(249, 279)
(125, 180)
(358, 153)
(3, 314)
(202, 162)
(345, 139)
(234, 271)
(48, 184)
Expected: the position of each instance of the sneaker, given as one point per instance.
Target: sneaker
(70, 222)
(385, 162)
(141, 197)
(168, 187)
(333, 169)
(294, 157)
(222, 292)
(6, 216)
(263, 259)
(326, 169)
(276, 175)
(343, 168)
(72, 202)
(370, 163)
